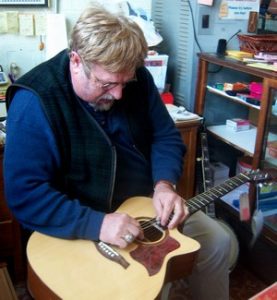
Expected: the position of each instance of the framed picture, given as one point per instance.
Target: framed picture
(24, 2)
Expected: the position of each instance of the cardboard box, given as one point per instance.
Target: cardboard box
(238, 124)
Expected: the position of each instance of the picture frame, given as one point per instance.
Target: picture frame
(40, 3)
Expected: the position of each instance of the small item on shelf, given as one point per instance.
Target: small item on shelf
(266, 56)
(235, 87)
(237, 54)
(238, 124)
(245, 93)
(253, 101)
(219, 86)
(238, 86)
(244, 164)
(228, 86)
(272, 149)
(256, 90)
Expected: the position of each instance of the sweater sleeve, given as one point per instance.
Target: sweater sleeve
(31, 161)
(168, 149)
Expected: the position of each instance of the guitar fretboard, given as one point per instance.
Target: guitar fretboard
(198, 202)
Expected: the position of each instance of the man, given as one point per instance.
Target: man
(85, 131)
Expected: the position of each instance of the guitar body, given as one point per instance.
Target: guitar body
(76, 269)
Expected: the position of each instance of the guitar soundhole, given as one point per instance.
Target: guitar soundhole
(152, 232)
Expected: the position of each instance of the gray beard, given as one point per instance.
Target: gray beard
(102, 106)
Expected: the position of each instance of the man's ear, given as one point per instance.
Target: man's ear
(75, 58)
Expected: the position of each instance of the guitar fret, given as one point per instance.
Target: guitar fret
(239, 180)
(196, 204)
(229, 186)
(201, 196)
(204, 203)
(208, 195)
(224, 188)
(217, 191)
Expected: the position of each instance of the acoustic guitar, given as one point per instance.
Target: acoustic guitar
(82, 269)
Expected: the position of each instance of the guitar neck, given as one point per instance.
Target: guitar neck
(200, 201)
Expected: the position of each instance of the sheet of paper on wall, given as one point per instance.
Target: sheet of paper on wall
(157, 66)
(3, 23)
(237, 10)
(12, 22)
(40, 24)
(206, 2)
(26, 24)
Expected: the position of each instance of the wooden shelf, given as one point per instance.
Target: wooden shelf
(233, 98)
(236, 65)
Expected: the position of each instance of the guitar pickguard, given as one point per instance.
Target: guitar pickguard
(152, 256)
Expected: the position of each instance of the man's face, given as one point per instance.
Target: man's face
(101, 88)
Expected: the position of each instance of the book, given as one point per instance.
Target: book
(264, 66)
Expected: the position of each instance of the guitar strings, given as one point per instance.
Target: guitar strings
(195, 203)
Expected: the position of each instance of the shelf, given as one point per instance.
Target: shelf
(241, 140)
(236, 65)
(233, 98)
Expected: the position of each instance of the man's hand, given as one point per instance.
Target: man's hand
(169, 206)
(117, 227)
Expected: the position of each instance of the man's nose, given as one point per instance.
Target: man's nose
(116, 91)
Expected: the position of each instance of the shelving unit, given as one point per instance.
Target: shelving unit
(252, 142)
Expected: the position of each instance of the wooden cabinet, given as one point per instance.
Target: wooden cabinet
(188, 130)
(10, 235)
(251, 142)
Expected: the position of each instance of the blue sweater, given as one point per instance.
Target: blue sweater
(32, 158)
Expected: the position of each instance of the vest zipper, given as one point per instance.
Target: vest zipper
(113, 153)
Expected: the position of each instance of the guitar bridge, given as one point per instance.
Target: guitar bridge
(111, 254)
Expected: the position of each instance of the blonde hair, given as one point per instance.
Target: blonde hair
(113, 41)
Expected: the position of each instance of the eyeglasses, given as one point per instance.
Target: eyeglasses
(106, 86)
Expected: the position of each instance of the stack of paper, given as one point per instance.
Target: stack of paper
(239, 55)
